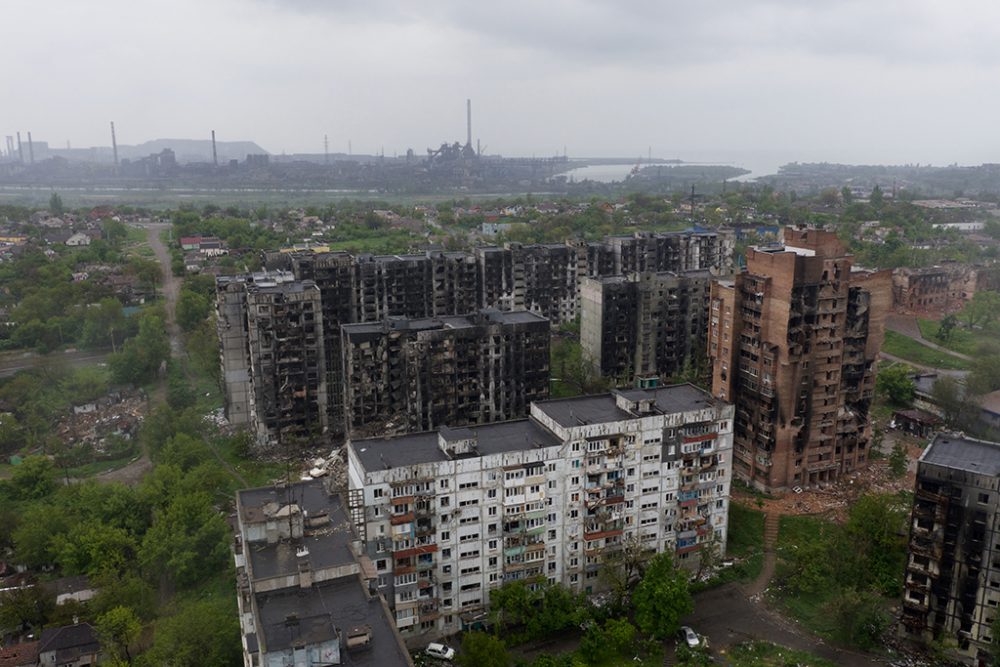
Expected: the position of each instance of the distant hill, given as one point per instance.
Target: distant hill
(193, 150)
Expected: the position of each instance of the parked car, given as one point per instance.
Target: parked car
(440, 651)
(690, 637)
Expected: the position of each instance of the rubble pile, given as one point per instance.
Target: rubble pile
(93, 426)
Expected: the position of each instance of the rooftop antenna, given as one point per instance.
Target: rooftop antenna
(114, 143)
(215, 155)
(468, 123)
(326, 149)
(31, 149)
(20, 149)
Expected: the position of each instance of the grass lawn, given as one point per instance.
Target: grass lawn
(962, 340)
(97, 467)
(745, 542)
(797, 532)
(766, 654)
(911, 350)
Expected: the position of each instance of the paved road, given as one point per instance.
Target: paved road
(727, 617)
(23, 361)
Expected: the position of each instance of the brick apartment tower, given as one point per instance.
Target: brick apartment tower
(794, 340)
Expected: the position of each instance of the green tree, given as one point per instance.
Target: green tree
(600, 643)
(946, 328)
(203, 632)
(859, 617)
(192, 309)
(188, 540)
(118, 630)
(895, 384)
(875, 544)
(24, 609)
(56, 204)
(480, 649)
(141, 357)
(35, 478)
(662, 597)
(949, 395)
(982, 308)
(876, 199)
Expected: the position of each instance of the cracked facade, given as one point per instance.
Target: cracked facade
(794, 340)
(452, 514)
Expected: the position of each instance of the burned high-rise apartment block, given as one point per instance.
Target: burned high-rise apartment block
(794, 341)
(952, 588)
(403, 375)
(543, 279)
(644, 326)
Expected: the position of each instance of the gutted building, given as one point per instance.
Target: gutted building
(794, 340)
(404, 375)
(543, 279)
(933, 290)
(306, 592)
(273, 361)
(644, 325)
(952, 588)
(452, 514)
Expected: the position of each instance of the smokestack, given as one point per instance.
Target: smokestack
(31, 149)
(10, 147)
(468, 122)
(215, 156)
(114, 143)
(20, 149)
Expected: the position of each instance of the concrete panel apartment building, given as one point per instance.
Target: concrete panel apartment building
(451, 514)
(543, 279)
(952, 588)
(305, 590)
(794, 340)
(644, 326)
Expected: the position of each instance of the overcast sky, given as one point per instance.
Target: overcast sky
(866, 81)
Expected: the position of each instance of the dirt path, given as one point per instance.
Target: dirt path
(758, 586)
(171, 291)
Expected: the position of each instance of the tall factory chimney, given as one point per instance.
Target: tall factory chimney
(215, 155)
(10, 147)
(114, 143)
(31, 150)
(20, 149)
(468, 122)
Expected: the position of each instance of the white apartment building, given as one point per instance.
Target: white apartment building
(452, 514)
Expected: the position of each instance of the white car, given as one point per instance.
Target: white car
(440, 651)
(690, 637)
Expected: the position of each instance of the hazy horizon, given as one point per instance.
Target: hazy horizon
(885, 82)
